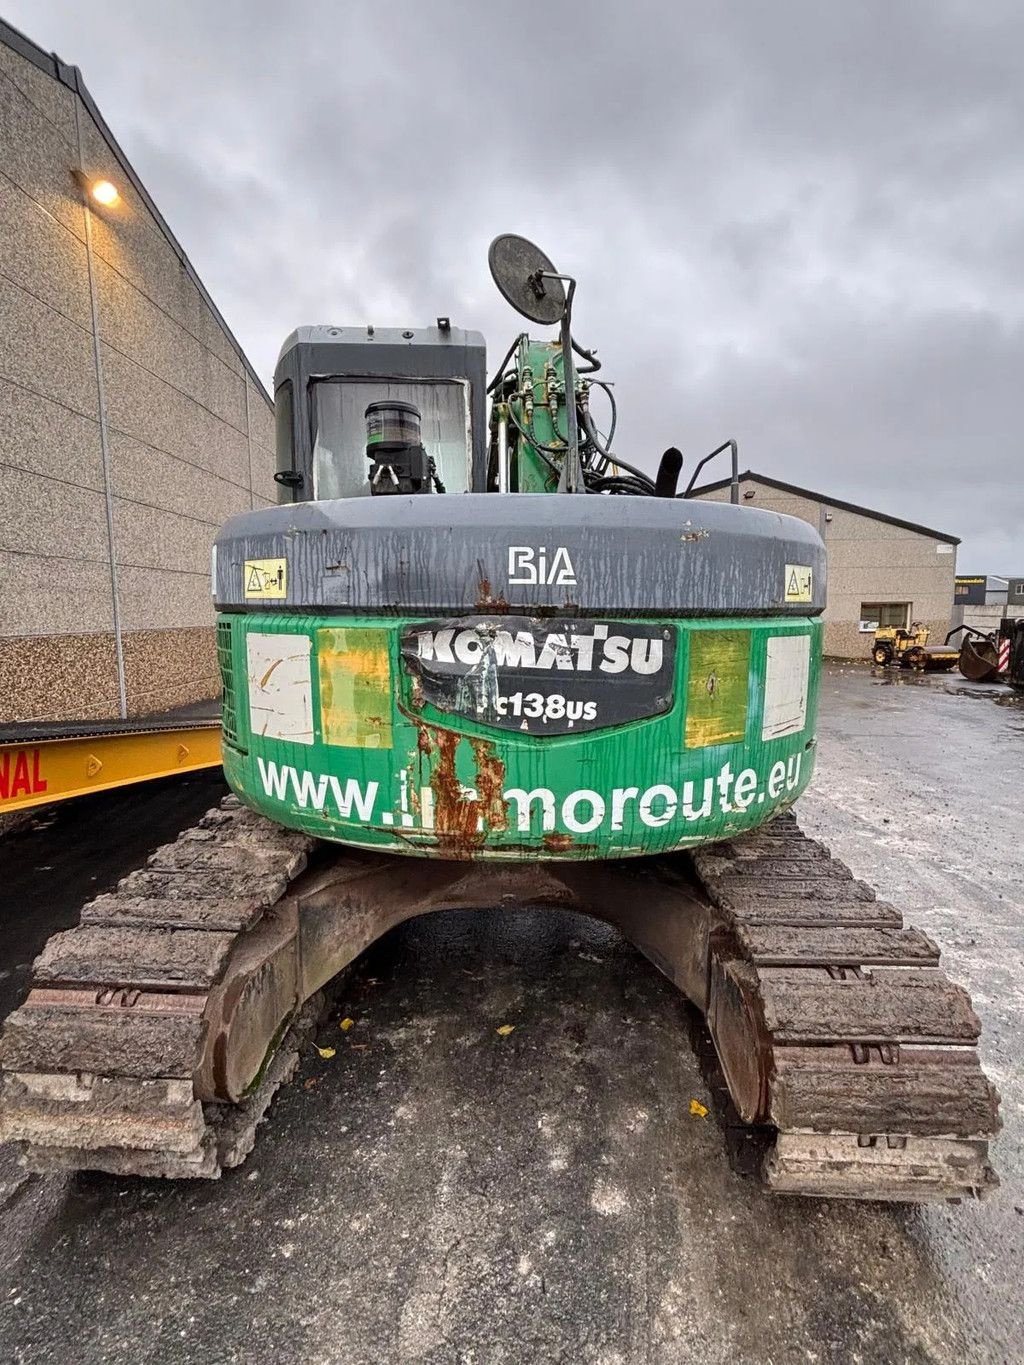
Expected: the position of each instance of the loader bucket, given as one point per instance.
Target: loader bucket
(979, 660)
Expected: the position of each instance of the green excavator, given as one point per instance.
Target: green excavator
(476, 658)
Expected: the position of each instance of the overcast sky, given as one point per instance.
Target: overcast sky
(799, 224)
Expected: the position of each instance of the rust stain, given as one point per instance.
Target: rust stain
(455, 816)
(418, 757)
(463, 822)
(530, 852)
(266, 677)
(556, 842)
(487, 598)
(490, 784)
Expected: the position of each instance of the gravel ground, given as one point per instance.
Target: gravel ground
(438, 1192)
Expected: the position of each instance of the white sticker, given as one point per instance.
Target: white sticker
(787, 668)
(944, 549)
(280, 686)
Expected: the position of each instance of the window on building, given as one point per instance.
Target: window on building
(874, 615)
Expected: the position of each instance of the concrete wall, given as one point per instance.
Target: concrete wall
(868, 561)
(122, 447)
(985, 618)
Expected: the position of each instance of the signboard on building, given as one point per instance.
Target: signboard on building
(1015, 591)
(969, 590)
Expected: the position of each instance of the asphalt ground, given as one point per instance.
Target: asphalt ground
(439, 1192)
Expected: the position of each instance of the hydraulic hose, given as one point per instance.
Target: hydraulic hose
(595, 441)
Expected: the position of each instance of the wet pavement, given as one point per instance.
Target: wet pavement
(438, 1192)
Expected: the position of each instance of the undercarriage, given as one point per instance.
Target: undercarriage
(156, 1032)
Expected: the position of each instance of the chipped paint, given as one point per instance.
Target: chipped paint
(464, 814)
(455, 812)
(520, 674)
(487, 600)
(490, 783)
(557, 842)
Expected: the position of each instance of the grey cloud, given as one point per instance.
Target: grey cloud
(799, 224)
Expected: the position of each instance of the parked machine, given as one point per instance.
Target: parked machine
(478, 660)
(910, 649)
(977, 654)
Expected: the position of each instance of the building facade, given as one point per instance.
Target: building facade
(982, 601)
(881, 570)
(131, 424)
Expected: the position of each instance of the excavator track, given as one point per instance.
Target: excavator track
(101, 1064)
(155, 1033)
(835, 1024)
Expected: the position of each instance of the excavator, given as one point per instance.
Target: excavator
(474, 657)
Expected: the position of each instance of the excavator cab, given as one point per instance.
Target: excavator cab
(366, 411)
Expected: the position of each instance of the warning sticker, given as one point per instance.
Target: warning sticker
(264, 579)
(798, 583)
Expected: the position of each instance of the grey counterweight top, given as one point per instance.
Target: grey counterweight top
(528, 552)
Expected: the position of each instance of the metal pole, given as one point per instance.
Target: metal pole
(571, 480)
(503, 450)
(572, 472)
(101, 400)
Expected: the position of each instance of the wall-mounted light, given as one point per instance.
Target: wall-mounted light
(828, 516)
(748, 493)
(104, 192)
(100, 190)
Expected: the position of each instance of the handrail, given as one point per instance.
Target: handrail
(734, 482)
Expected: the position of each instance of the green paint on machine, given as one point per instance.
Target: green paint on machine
(490, 766)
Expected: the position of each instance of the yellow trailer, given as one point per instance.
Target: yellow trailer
(41, 764)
